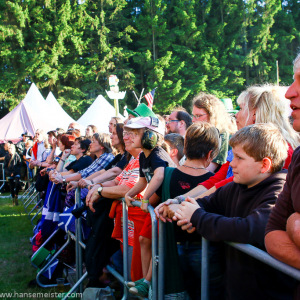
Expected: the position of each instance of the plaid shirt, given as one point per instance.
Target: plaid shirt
(99, 164)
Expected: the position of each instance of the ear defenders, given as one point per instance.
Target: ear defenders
(150, 138)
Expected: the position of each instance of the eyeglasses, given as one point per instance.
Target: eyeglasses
(168, 122)
(131, 134)
(198, 116)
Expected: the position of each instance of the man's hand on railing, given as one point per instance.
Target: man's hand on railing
(72, 185)
(91, 192)
(94, 198)
(163, 211)
(83, 183)
(53, 174)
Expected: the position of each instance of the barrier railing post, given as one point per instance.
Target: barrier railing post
(155, 257)
(3, 175)
(205, 270)
(125, 247)
(125, 278)
(77, 242)
(161, 264)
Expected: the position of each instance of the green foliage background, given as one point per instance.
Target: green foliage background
(181, 47)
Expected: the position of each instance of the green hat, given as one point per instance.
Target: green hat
(228, 105)
(141, 111)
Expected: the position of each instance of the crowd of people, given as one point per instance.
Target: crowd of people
(216, 174)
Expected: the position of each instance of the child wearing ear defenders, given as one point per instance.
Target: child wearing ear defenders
(148, 134)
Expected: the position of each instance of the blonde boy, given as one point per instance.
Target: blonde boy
(239, 211)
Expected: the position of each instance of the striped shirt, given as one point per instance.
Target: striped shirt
(99, 164)
(130, 175)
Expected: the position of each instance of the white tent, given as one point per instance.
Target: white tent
(31, 114)
(99, 114)
(21, 119)
(62, 119)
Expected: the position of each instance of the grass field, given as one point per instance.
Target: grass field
(15, 249)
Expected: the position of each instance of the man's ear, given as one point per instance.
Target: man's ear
(266, 165)
(173, 152)
(182, 123)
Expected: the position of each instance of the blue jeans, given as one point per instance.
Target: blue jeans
(190, 263)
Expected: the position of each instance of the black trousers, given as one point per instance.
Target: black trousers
(100, 246)
(14, 186)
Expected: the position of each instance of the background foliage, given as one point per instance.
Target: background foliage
(181, 47)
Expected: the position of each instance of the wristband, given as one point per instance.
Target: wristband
(145, 201)
(180, 198)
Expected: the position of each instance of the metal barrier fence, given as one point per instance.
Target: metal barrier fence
(156, 284)
(3, 179)
(126, 268)
(158, 257)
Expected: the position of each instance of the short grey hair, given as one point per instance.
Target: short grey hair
(297, 63)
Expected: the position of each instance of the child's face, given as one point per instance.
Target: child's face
(245, 169)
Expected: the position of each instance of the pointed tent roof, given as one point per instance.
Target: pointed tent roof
(63, 119)
(34, 97)
(99, 114)
(20, 120)
(50, 109)
(30, 114)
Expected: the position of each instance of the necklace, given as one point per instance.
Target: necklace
(195, 168)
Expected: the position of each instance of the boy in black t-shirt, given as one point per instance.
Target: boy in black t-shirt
(147, 133)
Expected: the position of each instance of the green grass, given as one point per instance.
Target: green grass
(15, 249)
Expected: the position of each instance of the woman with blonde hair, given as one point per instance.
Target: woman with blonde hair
(12, 166)
(258, 104)
(266, 104)
(208, 108)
